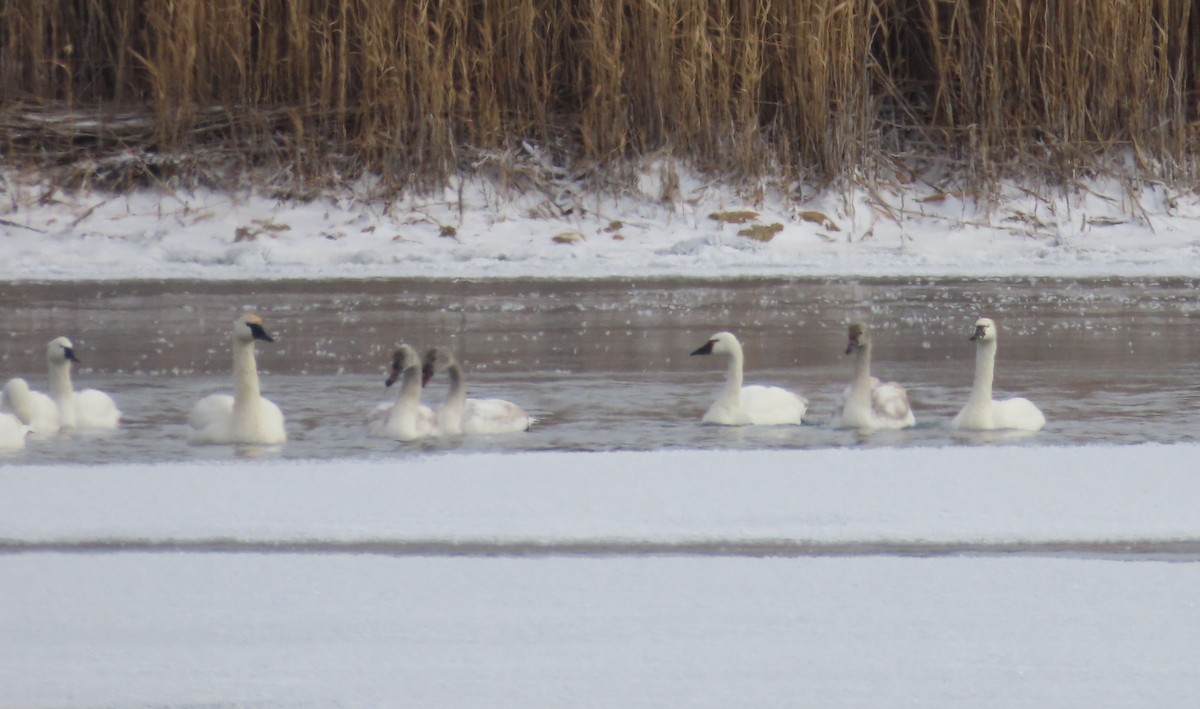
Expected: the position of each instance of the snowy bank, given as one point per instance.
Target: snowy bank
(478, 230)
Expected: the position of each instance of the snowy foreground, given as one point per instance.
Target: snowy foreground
(968, 576)
(480, 230)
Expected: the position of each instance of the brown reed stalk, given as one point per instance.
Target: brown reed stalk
(415, 90)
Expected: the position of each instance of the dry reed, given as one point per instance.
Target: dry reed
(416, 90)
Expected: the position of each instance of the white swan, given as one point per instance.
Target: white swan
(33, 408)
(867, 403)
(245, 417)
(460, 415)
(405, 419)
(86, 409)
(12, 433)
(982, 413)
(739, 405)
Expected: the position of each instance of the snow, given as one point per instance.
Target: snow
(477, 229)
(982, 576)
(961, 495)
(975, 575)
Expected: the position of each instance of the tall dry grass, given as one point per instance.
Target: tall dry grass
(415, 90)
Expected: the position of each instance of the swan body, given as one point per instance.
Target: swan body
(752, 405)
(982, 412)
(245, 417)
(459, 415)
(869, 404)
(12, 433)
(86, 409)
(405, 419)
(32, 408)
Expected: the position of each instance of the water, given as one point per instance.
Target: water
(604, 365)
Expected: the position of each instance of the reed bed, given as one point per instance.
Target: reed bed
(416, 90)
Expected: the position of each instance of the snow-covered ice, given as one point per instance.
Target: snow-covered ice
(458, 580)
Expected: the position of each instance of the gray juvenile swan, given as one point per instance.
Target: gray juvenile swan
(752, 405)
(869, 404)
(460, 415)
(405, 419)
(245, 417)
(982, 412)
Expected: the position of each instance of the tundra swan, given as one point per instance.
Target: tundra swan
(753, 405)
(458, 414)
(405, 419)
(982, 412)
(33, 408)
(867, 403)
(12, 433)
(245, 417)
(86, 409)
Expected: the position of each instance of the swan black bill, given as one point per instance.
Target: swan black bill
(706, 348)
(258, 333)
(426, 374)
(70, 355)
(395, 375)
(979, 332)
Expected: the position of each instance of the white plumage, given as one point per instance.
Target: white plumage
(405, 419)
(751, 405)
(982, 412)
(867, 403)
(459, 415)
(12, 432)
(246, 417)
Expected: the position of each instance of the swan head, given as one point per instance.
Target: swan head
(985, 331)
(249, 328)
(403, 359)
(60, 350)
(437, 359)
(859, 338)
(720, 343)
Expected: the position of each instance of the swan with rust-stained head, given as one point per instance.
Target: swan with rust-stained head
(982, 412)
(751, 405)
(405, 419)
(869, 404)
(246, 417)
(459, 415)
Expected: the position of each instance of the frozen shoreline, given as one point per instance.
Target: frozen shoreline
(484, 232)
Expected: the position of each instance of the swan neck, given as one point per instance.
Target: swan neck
(862, 364)
(733, 373)
(245, 373)
(985, 364)
(60, 381)
(409, 397)
(458, 385)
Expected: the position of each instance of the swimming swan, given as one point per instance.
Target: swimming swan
(458, 414)
(86, 409)
(869, 404)
(739, 405)
(982, 413)
(245, 417)
(32, 408)
(405, 419)
(12, 433)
